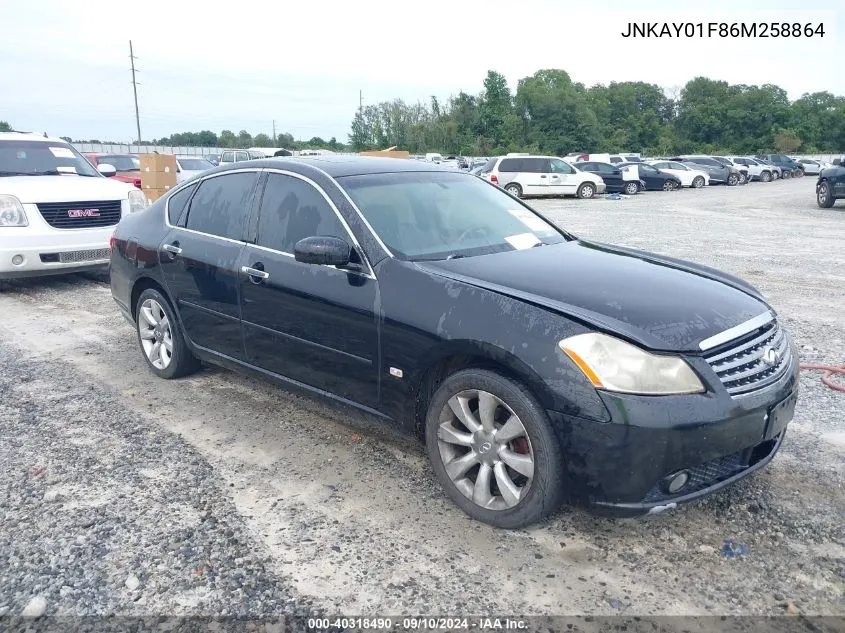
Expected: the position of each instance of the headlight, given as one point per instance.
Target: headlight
(11, 212)
(615, 365)
(137, 201)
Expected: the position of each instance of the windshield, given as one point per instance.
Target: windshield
(433, 215)
(126, 162)
(37, 158)
(194, 164)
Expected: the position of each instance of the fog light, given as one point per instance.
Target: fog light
(17, 260)
(676, 481)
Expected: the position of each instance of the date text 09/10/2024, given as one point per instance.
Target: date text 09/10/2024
(724, 29)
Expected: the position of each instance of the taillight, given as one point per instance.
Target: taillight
(112, 242)
(137, 183)
(493, 179)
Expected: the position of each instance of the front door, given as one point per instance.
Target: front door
(562, 178)
(311, 323)
(199, 259)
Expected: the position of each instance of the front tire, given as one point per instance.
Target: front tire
(824, 198)
(743, 179)
(786, 175)
(698, 182)
(631, 188)
(586, 191)
(514, 189)
(766, 176)
(668, 185)
(493, 450)
(162, 343)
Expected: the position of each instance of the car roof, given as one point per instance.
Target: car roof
(337, 166)
(29, 136)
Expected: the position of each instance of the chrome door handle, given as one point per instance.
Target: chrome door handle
(255, 273)
(172, 249)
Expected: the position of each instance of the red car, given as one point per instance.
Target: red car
(127, 165)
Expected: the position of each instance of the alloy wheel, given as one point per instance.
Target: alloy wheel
(485, 449)
(156, 334)
(698, 182)
(668, 185)
(631, 188)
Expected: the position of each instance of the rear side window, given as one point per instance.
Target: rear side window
(291, 210)
(221, 205)
(176, 203)
(227, 157)
(511, 165)
(535, 165)
(490, 165)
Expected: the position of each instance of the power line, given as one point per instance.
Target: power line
(135, 92)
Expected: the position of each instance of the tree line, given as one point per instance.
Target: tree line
(550, 114)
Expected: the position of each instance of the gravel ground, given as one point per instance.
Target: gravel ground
(224, 494)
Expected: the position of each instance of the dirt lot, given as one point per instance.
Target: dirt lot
(221, 493)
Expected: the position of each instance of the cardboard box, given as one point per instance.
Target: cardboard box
(158, 179)
(155, 194)
(387, 153)
(165, 163)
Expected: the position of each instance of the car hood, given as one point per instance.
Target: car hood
(33, 189)
(659, 302)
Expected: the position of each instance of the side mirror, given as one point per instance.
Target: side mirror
(329, 251)
(107, 170)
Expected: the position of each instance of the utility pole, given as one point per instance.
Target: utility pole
(361, 101)
(135, 92)
(274, 132)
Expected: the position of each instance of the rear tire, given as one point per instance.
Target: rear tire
(775, 175)
(732, 180)
(631, 188)
(157, 329)
(483, 482)
(786, 175)
(514, 189)
(698, 182)
(586, 191)
(668, 185)
(824, 198)
(766, 176)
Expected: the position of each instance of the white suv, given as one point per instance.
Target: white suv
(57, 212)
(524, 175)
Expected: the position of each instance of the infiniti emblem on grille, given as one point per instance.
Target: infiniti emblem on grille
(83, 213)
(771, 356)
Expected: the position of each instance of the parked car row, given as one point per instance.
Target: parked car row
(128, 166)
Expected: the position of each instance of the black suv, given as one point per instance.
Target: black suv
(830, 186)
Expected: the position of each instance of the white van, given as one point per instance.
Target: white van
(524, 176)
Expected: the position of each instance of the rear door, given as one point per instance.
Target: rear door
(535, 176)
(311, 323)
(199, 259)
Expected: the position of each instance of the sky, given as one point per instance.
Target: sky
(64, 66)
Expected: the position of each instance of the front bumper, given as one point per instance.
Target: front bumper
(620, 467)
(31, 256)
(601, 187)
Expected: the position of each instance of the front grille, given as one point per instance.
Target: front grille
(717, 470)
(80, 215)
(744, 364)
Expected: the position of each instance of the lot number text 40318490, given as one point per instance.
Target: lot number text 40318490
(724, 29)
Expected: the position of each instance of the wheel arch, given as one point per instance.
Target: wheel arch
(144, 283)
(458, 355)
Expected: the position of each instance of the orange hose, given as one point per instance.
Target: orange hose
(828, 370)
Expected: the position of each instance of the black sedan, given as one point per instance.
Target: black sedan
(612, 176)
(537, 366)
(830, 186)
(654, 179)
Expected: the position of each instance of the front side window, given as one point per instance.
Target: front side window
(425, 216)
(291, 210)
(37, 158)
(662, 165)
(561, 167)
(647, 168)
(241, 156)
(221, 205)
(227, 157)
(678, 166)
